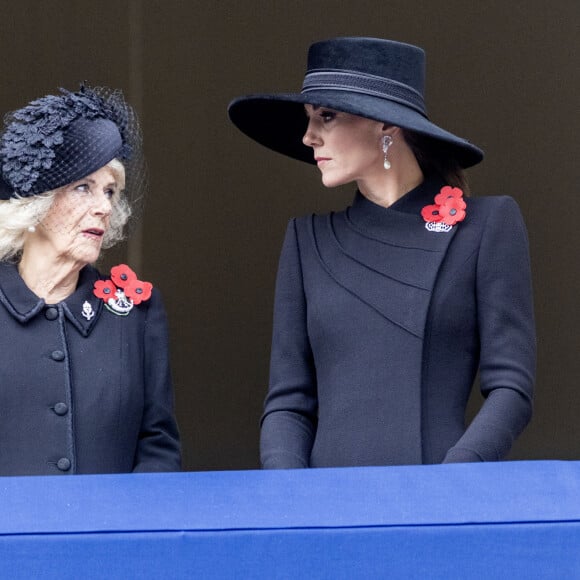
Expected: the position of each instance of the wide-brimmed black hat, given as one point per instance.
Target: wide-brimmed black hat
(378, 79)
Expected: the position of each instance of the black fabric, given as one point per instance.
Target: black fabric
(89, 145)
(380, 327)
(80, 395)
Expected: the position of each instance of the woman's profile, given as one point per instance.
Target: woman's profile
(386, 311)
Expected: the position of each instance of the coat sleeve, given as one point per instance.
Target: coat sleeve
(289, 421)
(507, 338)
(158, 448)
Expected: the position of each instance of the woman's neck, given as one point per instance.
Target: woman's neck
(389, 185)
(53, 280)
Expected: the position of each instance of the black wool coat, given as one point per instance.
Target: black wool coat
(82, 393)
(380, 327)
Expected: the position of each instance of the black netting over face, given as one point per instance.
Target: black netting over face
(59, 139)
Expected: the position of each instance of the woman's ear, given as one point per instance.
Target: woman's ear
(391, 130)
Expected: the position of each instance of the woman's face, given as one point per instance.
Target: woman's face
(346, 147)
(74, 227)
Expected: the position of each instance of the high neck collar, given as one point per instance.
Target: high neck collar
(399, 223)
(412, 202)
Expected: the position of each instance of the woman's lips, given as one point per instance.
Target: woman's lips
(94, 232)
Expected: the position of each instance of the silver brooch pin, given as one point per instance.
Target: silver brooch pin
(438, 227)
(88, 311)
(120, 305)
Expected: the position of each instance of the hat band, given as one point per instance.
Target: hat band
(357, 82)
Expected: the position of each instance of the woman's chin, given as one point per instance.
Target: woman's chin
(332, 182)
(87, 256)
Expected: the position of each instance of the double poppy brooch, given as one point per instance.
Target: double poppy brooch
(448, 209)
(123, 291)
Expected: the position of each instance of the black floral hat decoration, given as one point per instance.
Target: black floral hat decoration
(59, 139)
(374, 78)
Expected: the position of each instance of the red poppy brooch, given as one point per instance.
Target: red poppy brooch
(448, 209)
(123, 291)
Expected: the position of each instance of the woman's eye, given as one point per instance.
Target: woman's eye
(110, 193)
(84, 187)
(327, 116)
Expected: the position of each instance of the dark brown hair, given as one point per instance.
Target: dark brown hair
(435, 158)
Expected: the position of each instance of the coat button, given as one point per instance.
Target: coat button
(63, 464)
(51, 313)
(57, 355)
(61, 409)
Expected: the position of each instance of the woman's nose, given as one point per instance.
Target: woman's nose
(102, 204)
(310, 138)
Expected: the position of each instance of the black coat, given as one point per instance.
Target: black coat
(79, 395)
(380, 327)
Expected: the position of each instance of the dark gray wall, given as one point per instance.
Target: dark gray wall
(504, 74)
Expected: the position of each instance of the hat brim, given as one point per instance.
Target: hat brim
(278, 121)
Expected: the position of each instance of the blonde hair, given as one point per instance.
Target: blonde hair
(18, 214)
(121, 211)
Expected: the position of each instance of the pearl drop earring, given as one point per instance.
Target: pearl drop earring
(31, 229)
(387, 142)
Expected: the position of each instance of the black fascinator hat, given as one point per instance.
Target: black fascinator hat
(59, 139)
(378, 79)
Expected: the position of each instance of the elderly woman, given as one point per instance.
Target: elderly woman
(384, 312)
(84, 372)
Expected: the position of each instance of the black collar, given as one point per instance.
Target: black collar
(24, 305)
(401, 223)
